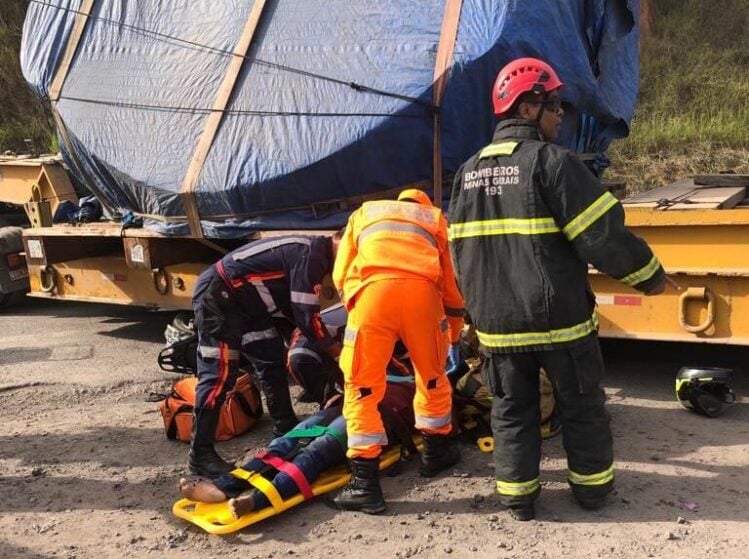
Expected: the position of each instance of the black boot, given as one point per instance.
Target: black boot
(524, 512)
(203, 459)
(278, 400)
(283, 426)
(439, 454)
(592, 503)
(363, 493)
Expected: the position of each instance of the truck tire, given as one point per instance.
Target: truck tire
(12, 289)
(8, 300)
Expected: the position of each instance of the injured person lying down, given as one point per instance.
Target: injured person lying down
(293, 462)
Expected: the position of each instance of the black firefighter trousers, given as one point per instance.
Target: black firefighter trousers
(575, 373)
(228, 324)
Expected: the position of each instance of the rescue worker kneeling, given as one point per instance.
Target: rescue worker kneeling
(240, 303)
(394, 274)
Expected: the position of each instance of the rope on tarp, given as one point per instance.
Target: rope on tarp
(187, 43)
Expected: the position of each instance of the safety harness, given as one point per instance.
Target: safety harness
(259, 479)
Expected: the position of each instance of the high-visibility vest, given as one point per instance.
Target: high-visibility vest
(389, 239)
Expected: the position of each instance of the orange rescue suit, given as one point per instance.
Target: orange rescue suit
(395, 276)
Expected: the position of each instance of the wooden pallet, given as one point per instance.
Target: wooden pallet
(703, 192)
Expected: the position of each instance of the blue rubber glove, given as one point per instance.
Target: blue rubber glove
(454, 360)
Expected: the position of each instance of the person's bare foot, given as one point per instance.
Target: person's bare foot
(203, 490)
(245, 503)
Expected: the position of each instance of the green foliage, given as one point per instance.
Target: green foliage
(22, 115)
(694, 94)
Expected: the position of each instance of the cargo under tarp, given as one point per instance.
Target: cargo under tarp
(333, 101)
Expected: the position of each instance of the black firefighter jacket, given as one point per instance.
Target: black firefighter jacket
(526, 218)
(281, 275)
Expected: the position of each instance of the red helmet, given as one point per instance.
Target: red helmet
(524, 75)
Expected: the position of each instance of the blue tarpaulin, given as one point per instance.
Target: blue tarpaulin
(296, 134)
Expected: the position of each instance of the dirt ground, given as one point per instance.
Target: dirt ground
(86, 471)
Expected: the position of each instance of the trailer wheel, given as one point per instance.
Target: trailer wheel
(8, 300)
(12, 289)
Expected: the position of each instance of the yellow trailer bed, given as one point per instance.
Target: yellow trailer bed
(705, 252)
(104, 263)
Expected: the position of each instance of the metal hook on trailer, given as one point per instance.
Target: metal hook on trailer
(47, 279)
(160, 281)
(699, 294)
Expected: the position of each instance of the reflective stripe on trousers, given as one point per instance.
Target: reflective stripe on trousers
(268, 334)
(216, 373)
(304, 351)
(517, 488)
(599, 478)
(425, 423)
(208, 352)
(370, 439)
(303, 298)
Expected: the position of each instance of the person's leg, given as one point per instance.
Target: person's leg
(217, 365)
(264, 348)
(201, 490)
(576, 375)
(513, 381)
(320, 454)
(285, 445)
(228, 485)
(423, 330)
(367, 347)
(217, 371)
(308, 369)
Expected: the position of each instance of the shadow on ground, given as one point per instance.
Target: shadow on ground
(135, 323)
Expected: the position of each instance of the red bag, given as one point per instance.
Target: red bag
(239, 413)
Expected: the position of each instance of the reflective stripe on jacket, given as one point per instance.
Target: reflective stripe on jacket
(387, 240)
(286, 272)
(526, 218)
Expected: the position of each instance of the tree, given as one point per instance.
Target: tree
(22, 114)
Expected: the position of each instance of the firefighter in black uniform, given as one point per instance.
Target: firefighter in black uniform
(238, 302)
(526, 218)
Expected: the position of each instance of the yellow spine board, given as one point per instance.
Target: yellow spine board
(216, 518)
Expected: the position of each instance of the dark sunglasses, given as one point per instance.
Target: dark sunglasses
(552, 104)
